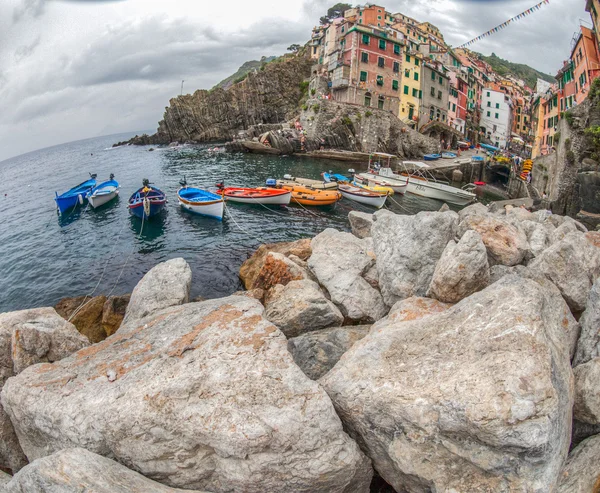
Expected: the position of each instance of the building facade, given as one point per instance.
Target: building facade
(586, 66)
(436, 90)
(410, 99)
(496, 117)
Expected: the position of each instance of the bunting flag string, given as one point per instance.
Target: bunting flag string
(527, 12)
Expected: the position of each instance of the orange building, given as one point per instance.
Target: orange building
(593, 7)
(586, 65)
(372, 15)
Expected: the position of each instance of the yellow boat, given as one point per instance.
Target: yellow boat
(373, 188)
(309, 196)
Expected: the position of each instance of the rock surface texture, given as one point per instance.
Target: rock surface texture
(476, 398)
(29, 337)
(588, 346)
(462, 270)
(301, 307)
(407, 250)
(165, 285)
(339, 261)
(317, 352)
(199, 396)
(582, 471)
(278, 269)
(587, 392)
(78, 471)
(360, 223)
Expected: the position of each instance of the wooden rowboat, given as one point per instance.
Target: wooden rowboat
(201, 202)
(362, 196)
(261, 195)
(309, 196)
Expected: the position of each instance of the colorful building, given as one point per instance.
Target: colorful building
(586, 65)
(593, 7)
(410, 99)
(435, 91)
(496, 116)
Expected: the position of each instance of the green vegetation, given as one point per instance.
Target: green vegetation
(304, 87)
(346, 120)
(569, 118)
(295, 48)
(316, 108)
(313, 92)
(336, 10)
(304, 107)
(520, 70)
(594, 133)
(556, 137)
(243, 71)
(368, 113)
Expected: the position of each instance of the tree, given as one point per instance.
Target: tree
(295, 48)
(338, 10)
(324, 20)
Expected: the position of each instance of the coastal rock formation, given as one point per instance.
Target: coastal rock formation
(407, 250)
(77, 470)
(581, 473)
(588, 346)
(29, 337)
(409, 309)
(339, 260)
(251, 268)
(301, 307)
(587, 392)
(505, 244)
(462, 270)
(278, 269)
(476, 398)
(199, 396)
(573, 265)
(96, 318)
(4, 480)
(168, 284)
(317, 352)
(360, 223)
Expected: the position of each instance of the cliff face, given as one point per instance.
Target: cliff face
(271, 95)
(571, 175)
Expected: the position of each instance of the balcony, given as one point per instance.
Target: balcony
(340, 83)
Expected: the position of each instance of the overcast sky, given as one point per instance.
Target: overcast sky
(72, 69)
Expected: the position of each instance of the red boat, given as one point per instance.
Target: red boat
(261, 195)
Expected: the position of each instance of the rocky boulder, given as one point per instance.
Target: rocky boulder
(476, 209)
(505, 243)
(588, 346)
(113, 313)
(199, 396)
(29, 337)
(587, 392)
(301, 307)
(250, 268)
(476, 398)
(573, 265)
(409, 309)
(407, 250)
(278, 269)
(360, 223)
(77, 470)
(581, 473)
(317, 352)
(461, 271)
(165, 285)
(339, 261)
(4, 480)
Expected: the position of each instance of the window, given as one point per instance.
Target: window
(497, 105)
(432, 75)
(416, 75)
(378, 17)
(454, 107)
(381, 62)
(488, 94)
(497, 116)
(406, 73)
(380, 80)
(415, 93)
(382, 44)
(444, 117)
(489, 105)
(416, 61)
(439, 94)
(380, 103)
(488, 114)
(367, 100)
(363, 76)
(396, 49)
(406, 90)
(433, 91)
(366, 39)
(395, 85)
(396, 67)
(441, 80)
(364, 57)
(519, 118)
(420, 94)
(408, 58)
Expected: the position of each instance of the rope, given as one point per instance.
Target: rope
(241, 229)
(399, 205)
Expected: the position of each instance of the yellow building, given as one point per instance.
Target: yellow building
(411, 94)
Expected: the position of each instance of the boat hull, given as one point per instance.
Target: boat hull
(156, 202)
(155, 208)
(283, 198)
(398, 186)
(66, 203)
(307, 182)
(99, 200)
(208, 209)
(439, 191)
(372, 200)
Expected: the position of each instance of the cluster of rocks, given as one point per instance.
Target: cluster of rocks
(436, 352)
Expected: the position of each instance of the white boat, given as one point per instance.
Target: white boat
(362, 196)
(316, 184)
(103, 193)
(373, 179)
(421, 182)
(201, 202)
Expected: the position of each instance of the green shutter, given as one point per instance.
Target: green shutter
(416, 76)
(408, 58)
(365, 39)
(420, 94)
(382, 44)
(405, 89)
(395, 85)
(396, 49)
(380, 80)
(416, 61)
(363, 76)
(432, 75)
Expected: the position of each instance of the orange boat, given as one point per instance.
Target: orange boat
(309, 196)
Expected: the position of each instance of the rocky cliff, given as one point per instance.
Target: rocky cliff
(270, 95)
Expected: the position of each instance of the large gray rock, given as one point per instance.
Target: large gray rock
(339, 260)
(360, 223)
(29, 337)
(588, 346)
(582, 470)
(407, 250)
(165, 285)
(587, 392)
(199, 396)
(476, 209)
(4, 480)
(77, 470)
(573, 265)
(505, 243)
(301, 307)
(476, 398)
(461, 271)
(563, 230)
(317, 352)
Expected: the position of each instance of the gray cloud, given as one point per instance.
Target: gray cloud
(28, 8)
(25, 51)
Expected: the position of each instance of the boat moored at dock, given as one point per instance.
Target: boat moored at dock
(148, 201)
(76, 195)
(200, 201)
(104, 192)
(259, 195)
(362, 196)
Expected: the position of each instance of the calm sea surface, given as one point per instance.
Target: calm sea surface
(44, 258)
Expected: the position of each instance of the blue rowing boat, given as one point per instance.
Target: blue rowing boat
(431, 157)
(201, 201)
(77, 195)
(335, 177)
(147, 201)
